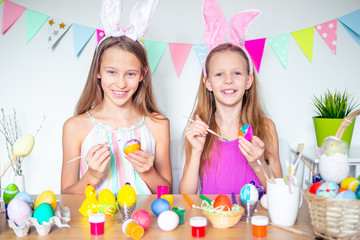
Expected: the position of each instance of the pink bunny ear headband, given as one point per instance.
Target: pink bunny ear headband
(110, 15)
(216, 27)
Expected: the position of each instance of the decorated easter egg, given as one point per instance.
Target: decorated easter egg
(126, 195)
(23, 145)
(346, 195)
(249, 193)
(246, 131)
(315, 187)
(358, 192)
(107, 202)
(222, 202)
(26, 197)
(342, 189)
(19, 211)
(43, 212)
(168, 220)
(46, 197)
(350, 183)
(159, 205)
(328, 189)
(142, 217)
(10, 192)
(131, 146)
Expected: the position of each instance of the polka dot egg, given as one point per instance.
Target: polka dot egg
(249, 193)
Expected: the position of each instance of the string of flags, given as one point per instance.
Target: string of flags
(179, 51)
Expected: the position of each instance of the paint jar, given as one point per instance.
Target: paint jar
(198, 225)
(162, 190)
(181, 212)
(132, 229)
(169, 198)
(97, 221)
(259, 224)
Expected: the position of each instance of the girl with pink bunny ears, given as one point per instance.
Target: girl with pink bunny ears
(227, 99)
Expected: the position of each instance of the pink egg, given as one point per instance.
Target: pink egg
(142, 217)
(19, 211)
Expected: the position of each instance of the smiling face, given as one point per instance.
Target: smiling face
(120, 74)
(228, 78)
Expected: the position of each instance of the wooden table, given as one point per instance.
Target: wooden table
(80, 228)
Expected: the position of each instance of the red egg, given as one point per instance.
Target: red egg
(315, 187)
(142, 217)
(222, 201)
(342, 189)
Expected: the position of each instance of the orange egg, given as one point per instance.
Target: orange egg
(222, 201)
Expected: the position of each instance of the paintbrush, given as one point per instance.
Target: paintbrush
(296, 161)
(265, 174)
(294, 230)
(210, 131)
(72, 160)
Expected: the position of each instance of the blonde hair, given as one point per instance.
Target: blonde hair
(205, 107)
(93, 94)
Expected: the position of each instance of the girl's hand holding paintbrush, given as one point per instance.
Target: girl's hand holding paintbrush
(196, 134)
(97, 159)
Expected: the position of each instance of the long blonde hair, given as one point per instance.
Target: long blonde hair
(205, 106)
(93, 94)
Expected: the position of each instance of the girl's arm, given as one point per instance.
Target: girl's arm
(98, 157)
(273, 151)
(155, 170)
(196, 135)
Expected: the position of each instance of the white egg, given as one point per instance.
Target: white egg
(168, 220)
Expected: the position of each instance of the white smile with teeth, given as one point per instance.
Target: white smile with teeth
(228, 91)
(118, 92)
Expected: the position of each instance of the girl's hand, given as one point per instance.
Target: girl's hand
(97, 159)
(252, 150)
(141, 161)
(196, 134)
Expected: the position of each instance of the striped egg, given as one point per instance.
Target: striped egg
(19, 211)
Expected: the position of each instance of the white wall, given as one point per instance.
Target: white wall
(36, 80)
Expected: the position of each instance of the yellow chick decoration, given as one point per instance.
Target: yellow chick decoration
(126, 195)
(90, 204)
(334, 164)
(107, 202)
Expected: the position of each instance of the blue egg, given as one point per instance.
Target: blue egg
(160, 205)
(249, 193)
(346, 195)
(328, 189)
(26, 197)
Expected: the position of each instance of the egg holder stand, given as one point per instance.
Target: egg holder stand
(335, 218)
(249, 209)
(219, 218)
(61, 218)
(126, 211)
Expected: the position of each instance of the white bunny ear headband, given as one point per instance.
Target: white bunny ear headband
(110, 15)
(216, 27)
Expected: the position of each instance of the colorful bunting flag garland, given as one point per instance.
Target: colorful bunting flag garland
(180, 51)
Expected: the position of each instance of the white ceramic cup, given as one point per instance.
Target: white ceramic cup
(283, 204)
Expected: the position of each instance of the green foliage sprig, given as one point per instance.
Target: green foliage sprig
(334, 105)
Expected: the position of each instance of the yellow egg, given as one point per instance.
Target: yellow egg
(23, 145)
(46, 197)
(126, 195)
(106, 197)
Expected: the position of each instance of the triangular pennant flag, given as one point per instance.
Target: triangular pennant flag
(305, 40)
(256, 49)
(327, 31)
(81, 34)
(57, 28)
(99, 34)
(179, 53)
(351, 22)
(155, 50)
(201, 51)
(280, 46)
(11, 13)
(34, 21)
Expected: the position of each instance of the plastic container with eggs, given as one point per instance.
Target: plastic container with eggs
(48, 212)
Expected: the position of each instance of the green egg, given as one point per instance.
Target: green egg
(43, 213)
(10, 191)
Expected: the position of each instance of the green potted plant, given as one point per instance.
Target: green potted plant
(331, 108)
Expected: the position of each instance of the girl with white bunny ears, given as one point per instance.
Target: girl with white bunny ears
(116, 105)
(227, 99)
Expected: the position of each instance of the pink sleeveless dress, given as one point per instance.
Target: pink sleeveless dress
(227, 171)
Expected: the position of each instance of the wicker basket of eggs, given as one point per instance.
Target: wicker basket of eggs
(221, 213)
(334, 204)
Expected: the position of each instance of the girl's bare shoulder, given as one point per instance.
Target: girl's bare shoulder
(79, 124)
(158, 123)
